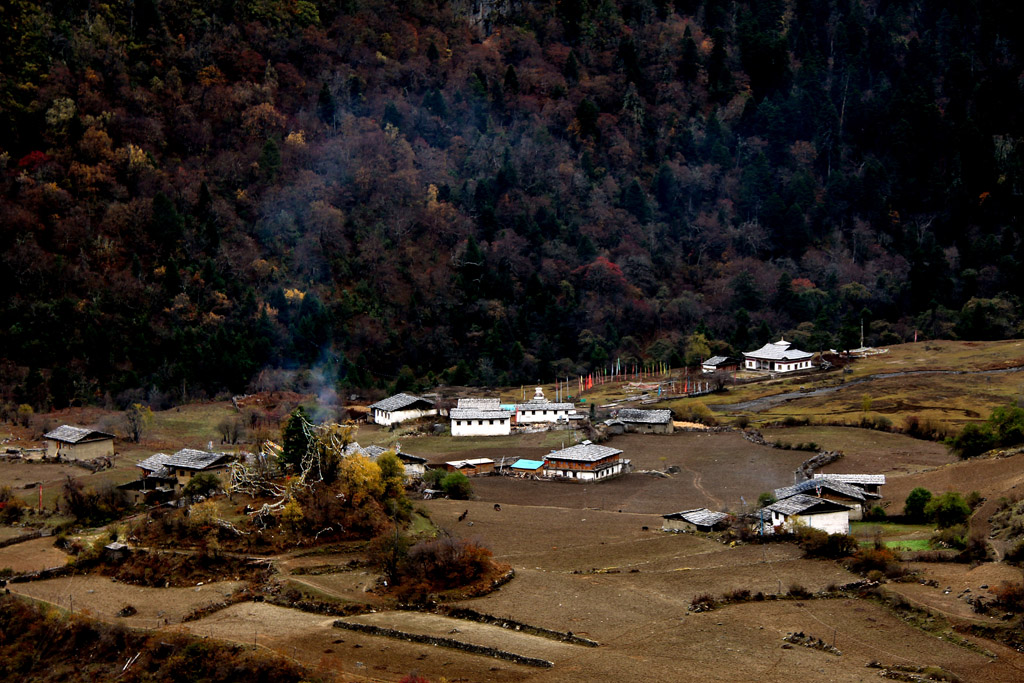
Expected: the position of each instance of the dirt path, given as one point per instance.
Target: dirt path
(697, 477)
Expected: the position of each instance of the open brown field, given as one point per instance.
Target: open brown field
(867, 450)
(634, 604)
(715, 471)
(102, 598)
(32, 556)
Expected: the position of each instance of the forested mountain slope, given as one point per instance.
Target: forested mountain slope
(194, 191)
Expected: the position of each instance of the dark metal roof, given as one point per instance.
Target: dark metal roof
(374, 452)
(480, 403)
(400, 402)
(856, 479)
(805, 505)
(584, 452)
(698, 516)
(69, 434)
(811, 485)
(645, 416)
(193, 459)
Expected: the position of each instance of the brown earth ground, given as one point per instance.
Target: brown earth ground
(640, 618)
(32, 556)
(99, 597)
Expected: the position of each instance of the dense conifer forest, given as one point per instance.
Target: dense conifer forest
(398, 193)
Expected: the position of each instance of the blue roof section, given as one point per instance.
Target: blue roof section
(522, 464)
(510, 407)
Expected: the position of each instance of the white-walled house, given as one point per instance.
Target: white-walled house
(475, 422)
(399, 408)
(539, 409)
(837, 491)
(778, 357)
(809, 511)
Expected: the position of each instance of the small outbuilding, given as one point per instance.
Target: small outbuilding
(524, 467)
(471, 468)
(697, 519)
(78, 443)
(645, 421)
(399, 408)
(720, 364)
(414, 465)
(805, 511)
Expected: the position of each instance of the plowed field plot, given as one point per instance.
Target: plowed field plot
(963, 582)
(716, 471)
(992, 477)
(312, 640)
(866, 450)
(32, 556)
(470, 632)
(740, 641)
(102, 598)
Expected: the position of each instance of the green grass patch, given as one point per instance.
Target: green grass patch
(912, 544)
(420, 525)
(887, 529)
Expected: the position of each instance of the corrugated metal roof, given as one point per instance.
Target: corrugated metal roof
(155, 464)
(523, 464)
(544, 406)
(193, 459)
(475, 462)
(374, 452)
(645, 416)
(480, 403)
(720, 360)
(699, 516)
(779, 350)
(69, 434)
(811, 485)
(801, 504)
(474, 414)
(398, 402)
(862, 479)
(584, 452)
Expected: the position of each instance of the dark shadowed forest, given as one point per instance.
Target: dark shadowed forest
(398, 193)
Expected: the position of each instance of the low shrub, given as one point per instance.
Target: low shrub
(874, 559)
(798, 591)
(817, 543)
(875, 513)
(738, 595)
(703, 602)
(1009, 596)
(952, 537)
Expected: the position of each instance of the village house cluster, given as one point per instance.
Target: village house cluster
(827, 502)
